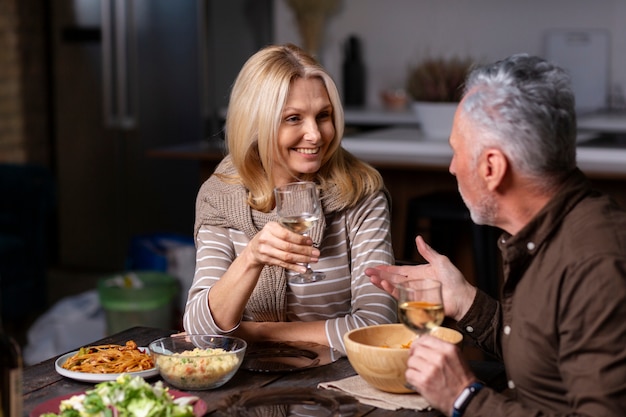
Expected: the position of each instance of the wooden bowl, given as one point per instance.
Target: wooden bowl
(377, 354)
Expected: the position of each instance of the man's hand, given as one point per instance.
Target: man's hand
(458, 294)
(437, 371)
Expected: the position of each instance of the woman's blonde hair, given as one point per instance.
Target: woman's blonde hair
(254, 115)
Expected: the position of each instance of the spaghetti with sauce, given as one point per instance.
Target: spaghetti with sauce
(110, 359)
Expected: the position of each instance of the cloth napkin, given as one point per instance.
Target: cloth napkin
(366, 394)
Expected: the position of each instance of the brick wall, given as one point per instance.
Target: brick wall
(24, 126)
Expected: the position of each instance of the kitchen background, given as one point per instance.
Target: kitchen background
(395, 34)
(181, 58)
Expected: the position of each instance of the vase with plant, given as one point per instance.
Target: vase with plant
(435, 85)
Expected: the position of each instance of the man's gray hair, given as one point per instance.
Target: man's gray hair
(525, 106)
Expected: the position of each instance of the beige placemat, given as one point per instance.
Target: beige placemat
(366, 394)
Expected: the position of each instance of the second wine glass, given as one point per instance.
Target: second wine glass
(299, 208)
(420, 305)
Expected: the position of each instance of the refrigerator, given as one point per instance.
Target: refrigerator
(129, 76)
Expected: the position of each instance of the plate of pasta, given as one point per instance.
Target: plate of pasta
(101, 363)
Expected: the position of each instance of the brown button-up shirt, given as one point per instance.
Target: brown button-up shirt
(561, 325)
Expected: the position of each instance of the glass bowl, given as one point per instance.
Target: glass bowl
(198, 362)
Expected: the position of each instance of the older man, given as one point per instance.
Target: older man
(560, 327)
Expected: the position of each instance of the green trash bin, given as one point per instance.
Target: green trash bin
(141, 298)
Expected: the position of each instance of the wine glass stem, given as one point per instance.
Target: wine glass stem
(307, 264)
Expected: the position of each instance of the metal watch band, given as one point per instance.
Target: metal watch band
(460, 404)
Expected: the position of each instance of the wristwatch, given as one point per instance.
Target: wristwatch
(463, 400)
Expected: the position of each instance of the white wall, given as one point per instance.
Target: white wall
(395, 32)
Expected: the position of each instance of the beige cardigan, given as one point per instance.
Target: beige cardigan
(349, 241)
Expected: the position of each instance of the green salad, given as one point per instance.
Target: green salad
(126, 397)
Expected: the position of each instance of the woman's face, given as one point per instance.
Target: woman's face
(306, 130)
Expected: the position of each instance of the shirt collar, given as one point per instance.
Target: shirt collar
(517, 250)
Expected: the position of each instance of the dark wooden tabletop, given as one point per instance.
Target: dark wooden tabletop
(42, 382)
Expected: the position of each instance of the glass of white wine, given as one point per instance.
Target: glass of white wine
(420, 305)
(299, 208)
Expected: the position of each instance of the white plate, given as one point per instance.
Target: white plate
(87, 377)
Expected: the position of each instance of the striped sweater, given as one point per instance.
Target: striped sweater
(353, 240)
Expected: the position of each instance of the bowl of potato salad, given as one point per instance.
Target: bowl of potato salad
(198, 362)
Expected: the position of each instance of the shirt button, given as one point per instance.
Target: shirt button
(530, 245)
(507, 330)
(511, 384)
(469, 329)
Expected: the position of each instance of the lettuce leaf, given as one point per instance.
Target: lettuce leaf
(125, 397)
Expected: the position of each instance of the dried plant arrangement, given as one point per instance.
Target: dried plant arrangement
(311, 17)
(438, 79)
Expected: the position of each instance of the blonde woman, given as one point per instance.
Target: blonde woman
(284, 124)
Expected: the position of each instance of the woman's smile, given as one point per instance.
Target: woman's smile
(307, 151)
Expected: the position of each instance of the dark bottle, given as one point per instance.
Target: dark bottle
(11, 373)
(353, 74)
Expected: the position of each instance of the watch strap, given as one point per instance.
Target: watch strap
(463, 400)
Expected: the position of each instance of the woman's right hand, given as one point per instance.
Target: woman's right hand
(275, 245)
(272, 245)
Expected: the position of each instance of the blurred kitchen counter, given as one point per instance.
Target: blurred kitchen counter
(413, 165)
(406, 147)
(392, 139)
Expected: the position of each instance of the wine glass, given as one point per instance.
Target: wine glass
(420, 305)
(299, 208)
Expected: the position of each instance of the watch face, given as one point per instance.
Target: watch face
(460, 404)
(460, 401)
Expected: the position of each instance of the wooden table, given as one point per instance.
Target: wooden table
(42, 382)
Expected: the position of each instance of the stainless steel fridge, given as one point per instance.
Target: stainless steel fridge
(129, 76)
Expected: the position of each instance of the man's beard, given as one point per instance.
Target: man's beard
(484, 211)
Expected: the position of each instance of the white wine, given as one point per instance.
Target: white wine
(299, 224)
(298, 209)
(11, 377)
(421, 316)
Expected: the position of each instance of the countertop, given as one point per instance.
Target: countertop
(374, 116)
(601, 150)
(407, 147)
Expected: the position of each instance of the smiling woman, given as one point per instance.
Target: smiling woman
(285, 124)
(306, 131)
